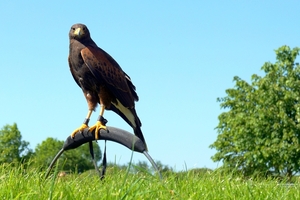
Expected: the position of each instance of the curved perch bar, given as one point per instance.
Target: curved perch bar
(112, 134)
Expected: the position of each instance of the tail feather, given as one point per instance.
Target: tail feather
(136, 125)
(139, 134)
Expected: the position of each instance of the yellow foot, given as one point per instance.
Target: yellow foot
(97, 128)
(81, 128)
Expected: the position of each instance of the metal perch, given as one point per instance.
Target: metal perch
(112, 134)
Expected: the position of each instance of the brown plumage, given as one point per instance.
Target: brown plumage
(102, 81)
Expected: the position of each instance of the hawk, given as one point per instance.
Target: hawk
(102, 81)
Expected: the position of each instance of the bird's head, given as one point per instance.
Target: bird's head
(79, 32)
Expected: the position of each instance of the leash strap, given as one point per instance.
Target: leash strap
(104, 163)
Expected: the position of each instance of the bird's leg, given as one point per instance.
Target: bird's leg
(84, 125)
(100, 124)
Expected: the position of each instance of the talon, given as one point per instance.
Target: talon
(97, 128)
(81, 128)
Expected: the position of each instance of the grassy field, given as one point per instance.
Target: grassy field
(17, 183)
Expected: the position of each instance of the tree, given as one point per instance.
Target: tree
(143, 166)
(260, 132)
(78, 159)
(162, 167)
(13, 149)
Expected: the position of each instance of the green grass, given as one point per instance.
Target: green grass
(17, 183)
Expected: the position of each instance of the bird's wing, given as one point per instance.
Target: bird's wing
(108, 71)
(72, 72)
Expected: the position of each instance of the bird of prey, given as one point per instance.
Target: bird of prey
(102, 81)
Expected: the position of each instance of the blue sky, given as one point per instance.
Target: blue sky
(181, 55)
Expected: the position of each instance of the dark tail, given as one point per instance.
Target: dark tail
(139, 134)
(137, 129)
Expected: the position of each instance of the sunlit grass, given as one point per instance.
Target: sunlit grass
(18, 183)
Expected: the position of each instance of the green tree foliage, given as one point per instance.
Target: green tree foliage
(78, 159)
(260, 132)
(12, 148)
(162, 167)
(147, 167)
(141, 166)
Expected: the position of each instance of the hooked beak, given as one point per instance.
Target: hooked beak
(79, 32)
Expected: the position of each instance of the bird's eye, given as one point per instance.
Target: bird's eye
(73, 28)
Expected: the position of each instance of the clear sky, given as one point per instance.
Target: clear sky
(181, 56)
